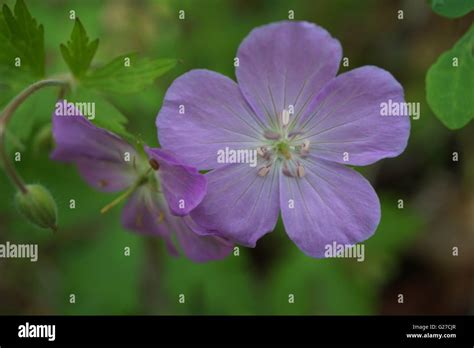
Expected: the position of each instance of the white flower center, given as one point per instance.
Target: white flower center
(284, 149)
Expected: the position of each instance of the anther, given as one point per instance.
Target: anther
(271, 135)
(103, 183)
(286, 171)
(139, 220)
(263, 152)
(154, 164)
(263, 171)
(300, 171)
(160, 217)
(305, 145)
(304, 150)
(285, 117)
(291, 135)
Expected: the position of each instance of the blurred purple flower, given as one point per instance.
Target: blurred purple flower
(305, 124)
(161, 192)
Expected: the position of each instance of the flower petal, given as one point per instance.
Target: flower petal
(331, 203)
(286, 63)
(146, 213)
(99, 154)
(183, 186)
(200, 248)
(344, 122)
(240, 205)
(214, 115)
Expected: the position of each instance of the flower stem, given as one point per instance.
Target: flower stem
(7, 115)
(119, 199)
(141, 180)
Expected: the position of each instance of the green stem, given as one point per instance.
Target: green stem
(141, 180)
(7, 115)
(119, 199)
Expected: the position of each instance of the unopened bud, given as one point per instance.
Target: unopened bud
(38, 206)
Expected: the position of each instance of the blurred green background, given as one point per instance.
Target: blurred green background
(410, 254)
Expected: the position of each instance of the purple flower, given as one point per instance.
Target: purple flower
(305, 124)
(161, 190)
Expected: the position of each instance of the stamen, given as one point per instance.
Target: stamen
(271, 135)
(285, 117)
(154, 164)
(263, 171)
(263, 152)
(161, 217)
(103, 183)
(306, 145)
(286, 171)
(139, 220)
(300, 171)
(304, 150)
(291, 135)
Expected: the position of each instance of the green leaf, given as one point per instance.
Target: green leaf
(452, 8)
(21, 37)
(449, 88)
(79, 52)
(106, 115)
(12, 81)
(127, 74)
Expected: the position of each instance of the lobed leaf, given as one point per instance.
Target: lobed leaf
(79, 51)
(106, 115)
(21, 37)
(127, 74)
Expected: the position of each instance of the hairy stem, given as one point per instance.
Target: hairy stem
(140, 181)
(7, 115)
(119, 199)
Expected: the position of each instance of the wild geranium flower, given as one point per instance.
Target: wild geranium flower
(305, 124)
(161, 190)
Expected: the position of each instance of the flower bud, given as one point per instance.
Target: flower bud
(37, 206)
